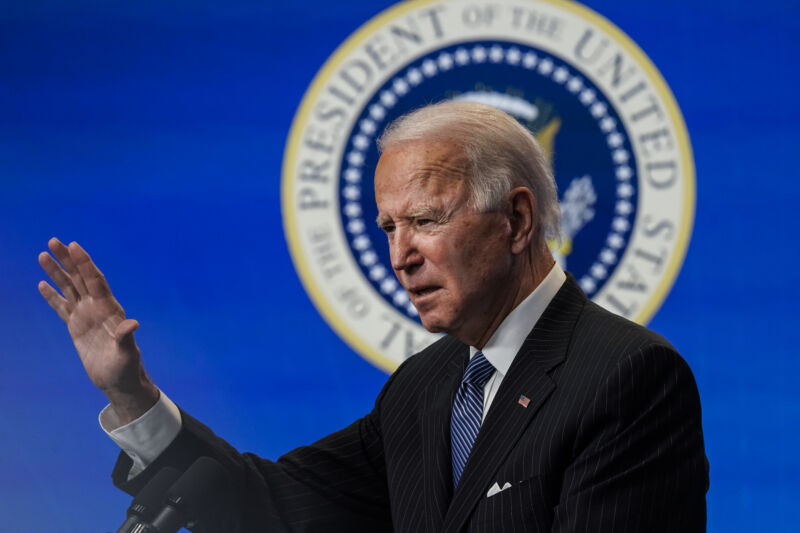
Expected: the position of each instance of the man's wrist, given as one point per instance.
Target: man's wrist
(145, 438)
(129, 406)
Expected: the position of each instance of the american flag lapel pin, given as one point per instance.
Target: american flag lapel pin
(524, 401)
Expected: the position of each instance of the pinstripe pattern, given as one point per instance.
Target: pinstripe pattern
(467, 411)
(610, 442)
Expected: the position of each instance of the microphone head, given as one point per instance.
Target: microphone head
(204, 485)
(150, 499)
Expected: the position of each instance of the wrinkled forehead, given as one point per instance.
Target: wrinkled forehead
(418, 179)
(420, 165)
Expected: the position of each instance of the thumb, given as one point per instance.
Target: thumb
(124, 333)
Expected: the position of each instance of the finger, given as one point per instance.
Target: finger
(94, 280)
(59, 304)
(126, 327)
(61, 252)
(124, 335)
(59, 277)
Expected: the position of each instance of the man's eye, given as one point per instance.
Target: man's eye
(387, 229)
(424, 221)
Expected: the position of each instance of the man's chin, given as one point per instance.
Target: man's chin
(432, 324)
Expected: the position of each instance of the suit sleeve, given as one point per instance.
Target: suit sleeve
(336, 484)
(639, 462)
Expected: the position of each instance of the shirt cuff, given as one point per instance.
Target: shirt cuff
(144, 439)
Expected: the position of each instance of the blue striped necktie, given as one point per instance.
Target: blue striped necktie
(467, 412)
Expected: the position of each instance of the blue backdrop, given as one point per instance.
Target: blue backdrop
(153, 132)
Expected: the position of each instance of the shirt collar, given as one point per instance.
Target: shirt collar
(512, 331)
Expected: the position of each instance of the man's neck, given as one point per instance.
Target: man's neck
(532, 275)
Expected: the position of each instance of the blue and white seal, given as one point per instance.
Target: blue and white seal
(606, 119)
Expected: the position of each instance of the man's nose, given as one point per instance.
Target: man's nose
(403, 250)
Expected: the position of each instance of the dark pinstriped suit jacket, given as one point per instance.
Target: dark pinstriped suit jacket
(610, 441)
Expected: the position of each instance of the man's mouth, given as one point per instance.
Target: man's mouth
(422, 291)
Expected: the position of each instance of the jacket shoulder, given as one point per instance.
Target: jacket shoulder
(432, 362)
(613, 335)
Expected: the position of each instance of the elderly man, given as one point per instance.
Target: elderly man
(538, 411)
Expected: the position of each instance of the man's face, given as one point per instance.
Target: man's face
(454, 262)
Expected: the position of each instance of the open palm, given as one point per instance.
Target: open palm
(96, 322)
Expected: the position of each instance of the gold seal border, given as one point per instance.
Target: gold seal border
(329, 314)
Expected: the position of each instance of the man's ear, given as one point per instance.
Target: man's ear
(522, 216)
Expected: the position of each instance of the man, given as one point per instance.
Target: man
(538, 411)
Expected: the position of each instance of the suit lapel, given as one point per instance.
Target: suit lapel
(435, 406)
(544, 348)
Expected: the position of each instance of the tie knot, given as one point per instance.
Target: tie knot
(478, 370)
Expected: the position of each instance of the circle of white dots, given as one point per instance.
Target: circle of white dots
(464, 56)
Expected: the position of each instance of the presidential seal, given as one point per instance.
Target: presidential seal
(604, 116)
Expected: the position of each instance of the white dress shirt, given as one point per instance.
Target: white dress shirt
(145, 438)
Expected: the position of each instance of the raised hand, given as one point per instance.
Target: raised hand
(99, 329)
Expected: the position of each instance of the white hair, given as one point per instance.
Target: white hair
(501, 153)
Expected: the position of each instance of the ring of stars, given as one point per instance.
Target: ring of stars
(463, 56)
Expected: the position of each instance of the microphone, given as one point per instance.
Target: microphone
(190, 498)
(149, 500)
